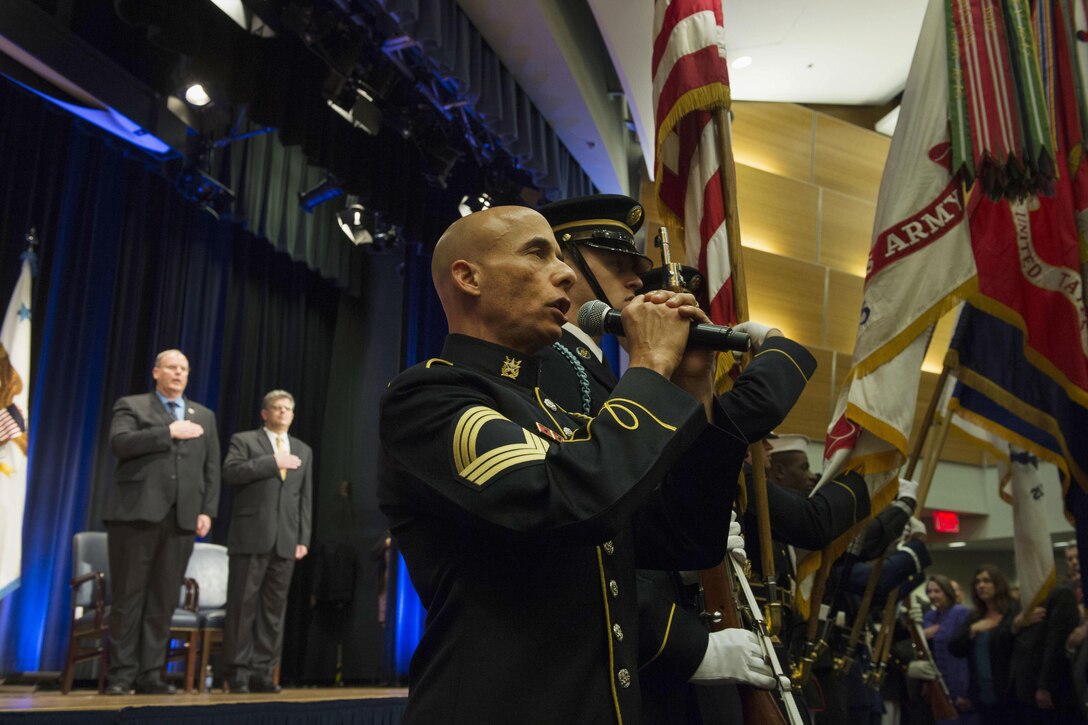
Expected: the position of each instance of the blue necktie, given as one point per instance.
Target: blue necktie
(173, 405)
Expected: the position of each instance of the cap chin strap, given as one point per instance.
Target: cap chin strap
(586, 272)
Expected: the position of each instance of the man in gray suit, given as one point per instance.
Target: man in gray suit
(167, 450)
(269, 531)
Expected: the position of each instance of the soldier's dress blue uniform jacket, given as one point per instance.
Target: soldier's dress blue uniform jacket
(522, 525)
(673, 640)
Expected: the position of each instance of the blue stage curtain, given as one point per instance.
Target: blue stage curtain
(129, 268)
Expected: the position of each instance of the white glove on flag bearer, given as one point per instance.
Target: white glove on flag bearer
(734, 655)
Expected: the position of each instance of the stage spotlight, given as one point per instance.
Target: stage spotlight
(469, 205)
(197, 96)
(327, 188)
(351, 221)
(353, 104)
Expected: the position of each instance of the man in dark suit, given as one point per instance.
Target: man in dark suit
(167, 452)
(269, 531)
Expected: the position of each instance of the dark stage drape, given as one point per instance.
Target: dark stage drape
(128, 268)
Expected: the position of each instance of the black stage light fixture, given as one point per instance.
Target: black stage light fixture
(357, 107)
(352, 222)
(326, 189)
(470, 204)
(205, 191)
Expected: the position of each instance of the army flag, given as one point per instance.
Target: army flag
(14, 415)
(690, 80)
(919, 266)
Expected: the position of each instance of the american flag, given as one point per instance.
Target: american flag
(11, 423)
(690, 80)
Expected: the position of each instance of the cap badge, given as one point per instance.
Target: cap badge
(511, 368)
(582, 352)
(634, 216)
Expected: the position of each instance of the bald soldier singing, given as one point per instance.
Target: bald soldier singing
(521, 524)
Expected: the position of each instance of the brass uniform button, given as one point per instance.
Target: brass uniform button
(609, 548)
(624, 677)
(618, 631)
(614, 588)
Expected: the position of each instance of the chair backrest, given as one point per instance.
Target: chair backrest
(209, 565)
(90, 553)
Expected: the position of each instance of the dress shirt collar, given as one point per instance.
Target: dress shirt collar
(272, 436)
(178, 412)
(586, 340)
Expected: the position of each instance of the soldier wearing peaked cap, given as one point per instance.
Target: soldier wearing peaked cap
(515, 518)
(596, 234)
(674, 642)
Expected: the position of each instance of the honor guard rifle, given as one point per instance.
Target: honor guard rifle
(721, 610)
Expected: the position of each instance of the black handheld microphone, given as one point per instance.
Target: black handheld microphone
(596, 317)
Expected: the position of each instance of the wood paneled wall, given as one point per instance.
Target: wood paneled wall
(807, 186)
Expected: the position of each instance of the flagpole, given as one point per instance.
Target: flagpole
(928, 470)
(740, 307)
(934, 445)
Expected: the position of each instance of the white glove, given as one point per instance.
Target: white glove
(914, 527)
(756, 331)
(908, 489)
(922, 670)
(735, 546)
(734, 655)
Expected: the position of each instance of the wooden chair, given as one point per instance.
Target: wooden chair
(90, 606)
(184, 640)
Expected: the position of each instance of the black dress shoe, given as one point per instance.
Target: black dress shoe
(238, 686)
(155, 686)
(117, 690)
(264, 684)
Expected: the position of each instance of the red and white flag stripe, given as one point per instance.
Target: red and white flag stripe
(690, 79)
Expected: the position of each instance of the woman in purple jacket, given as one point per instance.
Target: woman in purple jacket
(940, 625)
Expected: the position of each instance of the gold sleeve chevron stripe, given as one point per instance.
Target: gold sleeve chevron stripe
(480, 469)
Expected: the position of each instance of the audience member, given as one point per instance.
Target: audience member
(985, 639)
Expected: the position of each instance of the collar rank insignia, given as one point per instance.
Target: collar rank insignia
(582, 352)
(511, 368)
(549, 432)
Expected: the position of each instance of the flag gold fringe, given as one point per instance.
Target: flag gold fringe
(703, 98)
(900, 341)
(1031, 415)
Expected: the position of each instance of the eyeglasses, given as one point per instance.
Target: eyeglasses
(281, 408)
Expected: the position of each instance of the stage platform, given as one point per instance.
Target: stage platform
(347, 705)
